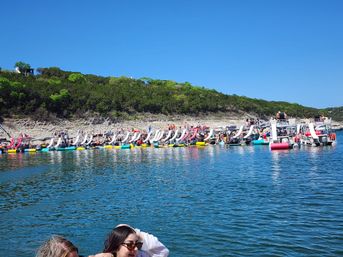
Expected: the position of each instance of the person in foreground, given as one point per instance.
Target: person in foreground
(124, 241)
(58, 246)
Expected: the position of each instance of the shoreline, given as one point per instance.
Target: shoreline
(44, 129)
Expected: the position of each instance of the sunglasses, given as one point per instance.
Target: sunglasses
(132, 245)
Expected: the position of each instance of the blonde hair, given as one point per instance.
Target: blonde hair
(56, 246)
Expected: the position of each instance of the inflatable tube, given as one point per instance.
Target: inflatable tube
(108, 146)
(126, 146)
(46, 149)
(80, 148)
(260, 142)
(30, 150)
(332, 136)
(12, 151)
(279, 146)
(200, 143)
(69, 148)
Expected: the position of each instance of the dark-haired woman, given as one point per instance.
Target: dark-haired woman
(124, 241)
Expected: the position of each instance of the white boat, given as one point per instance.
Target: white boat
(282, 136)
(317, 134)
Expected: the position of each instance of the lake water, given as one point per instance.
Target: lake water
(211, 201)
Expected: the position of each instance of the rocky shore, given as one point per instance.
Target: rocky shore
(44, 129)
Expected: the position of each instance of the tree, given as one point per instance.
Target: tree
(76, 78)
(24, 68)
(60, 102)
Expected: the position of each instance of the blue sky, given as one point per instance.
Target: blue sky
(268, 49)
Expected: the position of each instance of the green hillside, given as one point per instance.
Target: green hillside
(57, 93)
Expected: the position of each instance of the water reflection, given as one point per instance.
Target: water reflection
(239, 149)
(250, 149)
(277, 157)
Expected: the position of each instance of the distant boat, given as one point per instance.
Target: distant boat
(318, 134)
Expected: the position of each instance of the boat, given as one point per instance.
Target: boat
(235, 136)
(317, 134)
(282, 136)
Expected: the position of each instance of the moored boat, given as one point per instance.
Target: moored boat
(317, 134)
(282, 136)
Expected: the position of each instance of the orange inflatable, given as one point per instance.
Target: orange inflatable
(333, 136)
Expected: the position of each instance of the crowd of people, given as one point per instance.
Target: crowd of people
(123, 241)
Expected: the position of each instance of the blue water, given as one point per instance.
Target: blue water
(211, 201)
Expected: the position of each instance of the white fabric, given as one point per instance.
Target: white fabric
(152, 247)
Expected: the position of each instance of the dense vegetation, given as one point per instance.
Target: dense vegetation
(57, 93)
(335, 113)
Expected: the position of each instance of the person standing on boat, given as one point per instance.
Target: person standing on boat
(281, 115)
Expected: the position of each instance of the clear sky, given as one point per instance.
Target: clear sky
(279, 50)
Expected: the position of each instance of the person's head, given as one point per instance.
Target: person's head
(123, 242)
(57, 246)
